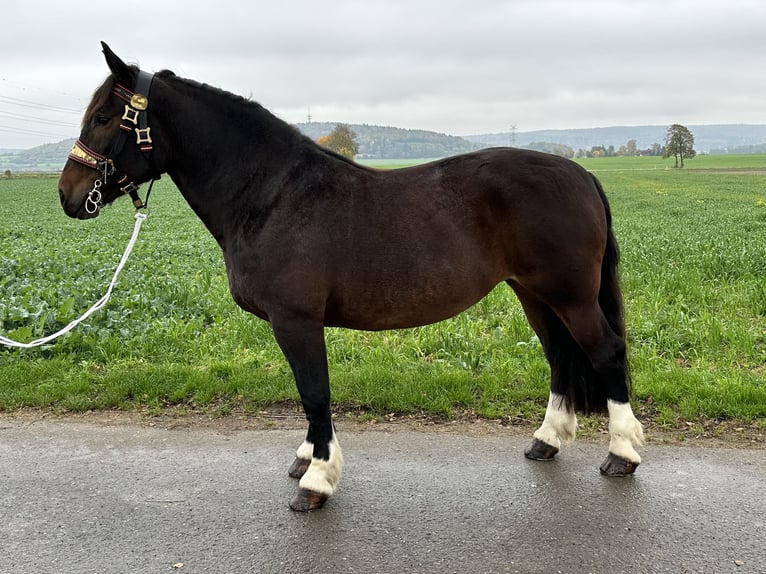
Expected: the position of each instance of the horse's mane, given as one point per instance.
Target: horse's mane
(223, 94)
(103, 92)
(251, 106)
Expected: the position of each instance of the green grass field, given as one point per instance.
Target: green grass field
(694, 279)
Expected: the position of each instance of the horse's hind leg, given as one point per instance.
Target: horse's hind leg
(606, 351)
(588, 373)
(624, 432)
(319, 459)
(560, 422)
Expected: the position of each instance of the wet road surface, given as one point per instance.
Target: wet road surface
(80, 498)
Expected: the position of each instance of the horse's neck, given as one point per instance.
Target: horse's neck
(215, 160)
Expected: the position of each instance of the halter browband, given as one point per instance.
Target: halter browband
(135, 114)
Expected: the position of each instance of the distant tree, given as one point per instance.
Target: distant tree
(8, 174)
(597, 151)
(655, 150)
(679, 143)
(631, 148)
(341, 140)
(552, 148)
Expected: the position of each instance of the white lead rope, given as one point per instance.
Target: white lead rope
(140, 218)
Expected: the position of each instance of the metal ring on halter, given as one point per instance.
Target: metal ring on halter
(93, 201)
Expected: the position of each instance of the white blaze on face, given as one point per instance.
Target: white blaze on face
(322, 476)
(624, 431)
(559, 423)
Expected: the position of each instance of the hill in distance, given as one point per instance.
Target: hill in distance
(723, 138)
(44, 158)
(378, 142)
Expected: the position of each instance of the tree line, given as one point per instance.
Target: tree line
(629, 149)
(679, 144)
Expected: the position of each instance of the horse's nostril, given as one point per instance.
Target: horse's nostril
(61, 197)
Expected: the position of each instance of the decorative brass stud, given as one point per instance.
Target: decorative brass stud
(139, 101)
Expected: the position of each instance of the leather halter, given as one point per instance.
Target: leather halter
(134, 120)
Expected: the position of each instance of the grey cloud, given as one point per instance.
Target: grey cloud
(454, 66)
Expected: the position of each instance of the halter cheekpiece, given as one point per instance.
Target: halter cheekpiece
(134, 120)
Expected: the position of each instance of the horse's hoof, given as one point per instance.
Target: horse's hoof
(617, 466)
(307, 500)
(299, 467)
(540, 450)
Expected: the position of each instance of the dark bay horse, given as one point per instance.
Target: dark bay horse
(311, 239)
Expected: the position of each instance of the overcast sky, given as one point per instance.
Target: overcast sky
(452, 66)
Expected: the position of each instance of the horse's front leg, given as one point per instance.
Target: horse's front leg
(319, 459)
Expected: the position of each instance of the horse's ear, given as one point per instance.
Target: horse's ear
(121, 71)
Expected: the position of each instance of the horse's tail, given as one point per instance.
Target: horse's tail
(583, 389)
(610, 294)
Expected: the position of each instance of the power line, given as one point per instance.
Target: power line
(13, 130)
(29, 125)
(36, 120)
(37, 106)
(25, 87)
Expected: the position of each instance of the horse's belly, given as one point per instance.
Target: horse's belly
(401, 309)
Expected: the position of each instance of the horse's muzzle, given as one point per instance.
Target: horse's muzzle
(75, 211)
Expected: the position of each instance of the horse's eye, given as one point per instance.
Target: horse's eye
(102, 120)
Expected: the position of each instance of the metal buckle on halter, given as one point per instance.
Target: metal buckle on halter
(106, 167)
(130, 114)
(129, 188)
(142, 136)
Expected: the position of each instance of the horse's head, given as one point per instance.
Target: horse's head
(114, 152)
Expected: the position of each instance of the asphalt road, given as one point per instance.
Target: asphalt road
(82, 498)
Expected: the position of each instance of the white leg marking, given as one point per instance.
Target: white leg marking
(624, 431)
(559, 424)
(305, 451)
(322, 476)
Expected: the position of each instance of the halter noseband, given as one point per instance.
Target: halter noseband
(135, 114)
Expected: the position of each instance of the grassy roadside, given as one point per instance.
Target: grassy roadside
(694, 273)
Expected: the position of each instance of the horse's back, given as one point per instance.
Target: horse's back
(421, 244)
(486, 211)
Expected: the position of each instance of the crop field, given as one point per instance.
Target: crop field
(694, 279)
